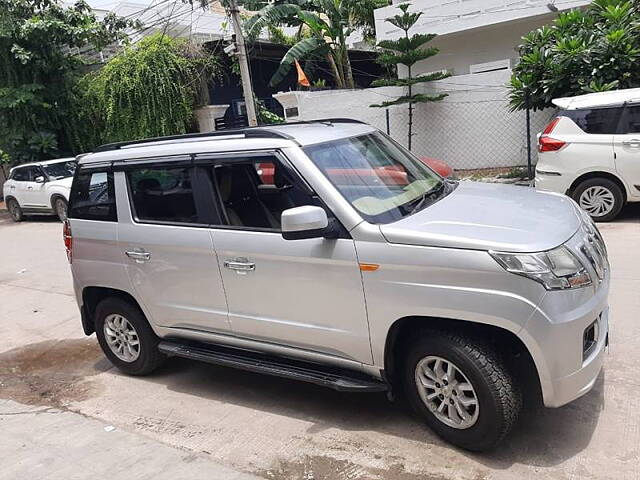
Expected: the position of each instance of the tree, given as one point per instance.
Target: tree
(39, 53)
(582, 51)
(328, 24)
(407, 50)
(147, 90)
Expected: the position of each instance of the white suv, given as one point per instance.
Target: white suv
(591, 152)
(39, 188)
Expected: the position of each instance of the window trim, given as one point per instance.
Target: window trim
(164, 165)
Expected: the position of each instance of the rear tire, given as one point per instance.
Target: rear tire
(600, 197)
(15, 211)
(60, 206)
(479, 376)
(126, 337)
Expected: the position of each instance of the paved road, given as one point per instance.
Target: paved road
(278, 429)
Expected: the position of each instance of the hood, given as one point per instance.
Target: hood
(62, 182)
(484, 216)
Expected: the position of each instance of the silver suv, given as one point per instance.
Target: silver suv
(327, 253)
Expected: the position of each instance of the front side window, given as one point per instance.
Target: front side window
(595, 120)
(93, 197)
(58, 170)
(255, 192)
(382, 181)
(163, 194)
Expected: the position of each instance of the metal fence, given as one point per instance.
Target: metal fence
(467, 134)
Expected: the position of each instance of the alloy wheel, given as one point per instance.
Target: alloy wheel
(447, 392)
(597, 201)
(122, 338)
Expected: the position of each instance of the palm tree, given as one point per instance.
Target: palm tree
(328, 24)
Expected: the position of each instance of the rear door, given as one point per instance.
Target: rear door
(627, 149)
(166, 245)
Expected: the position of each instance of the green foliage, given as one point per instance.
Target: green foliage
(148, 90)
(582, 51)
(319, 83)
(39, 44)
(265, 116)
(407, 50)
(327, 22)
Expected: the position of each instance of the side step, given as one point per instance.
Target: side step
(335, 378)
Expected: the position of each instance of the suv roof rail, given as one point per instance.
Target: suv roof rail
(248, 132)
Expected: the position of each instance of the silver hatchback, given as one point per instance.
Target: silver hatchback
(325, 252)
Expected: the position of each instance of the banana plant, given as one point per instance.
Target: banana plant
(328, 23)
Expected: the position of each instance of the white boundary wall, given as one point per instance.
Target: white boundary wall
(472, 128)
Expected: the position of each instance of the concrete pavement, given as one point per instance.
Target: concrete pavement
(278, 429)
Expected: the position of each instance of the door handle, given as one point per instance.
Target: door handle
(138, 256)
(632, 143)
(240, 265)
(29, 187)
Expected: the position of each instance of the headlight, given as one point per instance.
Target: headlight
(556, 269)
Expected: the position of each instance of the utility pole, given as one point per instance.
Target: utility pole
(245, 75)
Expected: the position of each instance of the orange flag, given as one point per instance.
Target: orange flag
(302, 78)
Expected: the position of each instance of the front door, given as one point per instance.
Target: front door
(166, 245)
(305, 294)
(627, 149)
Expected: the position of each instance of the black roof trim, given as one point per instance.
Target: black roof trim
(262, 131)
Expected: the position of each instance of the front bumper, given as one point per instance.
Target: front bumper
(554, 336)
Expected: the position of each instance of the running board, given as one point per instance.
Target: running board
(335, 378)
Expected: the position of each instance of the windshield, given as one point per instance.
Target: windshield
(382, 181)
(58, 170)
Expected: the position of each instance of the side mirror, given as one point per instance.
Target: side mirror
(305, 222)
(39, 179)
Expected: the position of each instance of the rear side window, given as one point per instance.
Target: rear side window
(93, 197)
(631, 122)
(20, 175)
(162, 195)
(595, 120)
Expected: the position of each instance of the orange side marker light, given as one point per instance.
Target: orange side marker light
(369, 267)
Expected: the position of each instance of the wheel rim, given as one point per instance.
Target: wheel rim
(447, 392)
(122, 338)
(61, 209)
(597, 201)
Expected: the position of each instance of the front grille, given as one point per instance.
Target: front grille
(594, 249)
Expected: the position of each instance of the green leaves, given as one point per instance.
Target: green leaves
(583, 51)
(304, 48)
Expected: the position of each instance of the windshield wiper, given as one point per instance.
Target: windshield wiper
(433, 193)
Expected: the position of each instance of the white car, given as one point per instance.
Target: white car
(591, 152)
(40, 188)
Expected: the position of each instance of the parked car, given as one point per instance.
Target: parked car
(40, 188)
(439, 166)
(591, 152)
(326, 275)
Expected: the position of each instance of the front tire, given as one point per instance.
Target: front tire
(600, 197)
(126, 337)
(60, 206)
(462, 390)
(15, 211)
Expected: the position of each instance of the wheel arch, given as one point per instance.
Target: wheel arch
(403, 331)
(599, 174)
(92, 296)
